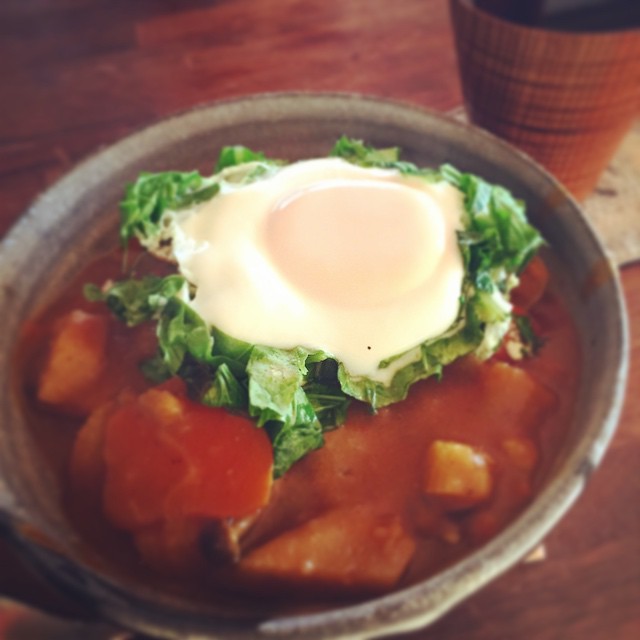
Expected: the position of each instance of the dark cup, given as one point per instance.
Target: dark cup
(567, 98)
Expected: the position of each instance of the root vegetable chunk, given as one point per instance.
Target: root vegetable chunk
(458, 474)
(169, 458)
(87, 469)
(75, 361)
(522, 452)
(344, 549)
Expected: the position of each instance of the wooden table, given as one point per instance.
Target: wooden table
(76, 75)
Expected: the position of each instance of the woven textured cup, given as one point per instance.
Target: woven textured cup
(565, 98)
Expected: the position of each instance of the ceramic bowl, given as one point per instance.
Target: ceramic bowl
(78, 216)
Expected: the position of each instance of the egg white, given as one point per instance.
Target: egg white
(361, 263)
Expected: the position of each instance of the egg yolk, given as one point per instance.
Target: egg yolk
(356, 243)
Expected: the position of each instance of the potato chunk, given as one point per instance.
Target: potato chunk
(458, 474)
(75, 361)
(344, 549)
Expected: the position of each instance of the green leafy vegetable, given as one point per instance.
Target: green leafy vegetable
(356, 152)
(154, 193)
(233, 156)
(274, 378)
(137, 301)
(531, 341)
(295, 440)
(329, 403)
(277, 399)
(225, 390)
(497, 232)
(182, 332)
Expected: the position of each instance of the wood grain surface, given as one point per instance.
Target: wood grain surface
(76, 75)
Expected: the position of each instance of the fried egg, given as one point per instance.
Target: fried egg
(361, 263)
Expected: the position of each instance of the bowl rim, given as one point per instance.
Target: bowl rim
(418, 605)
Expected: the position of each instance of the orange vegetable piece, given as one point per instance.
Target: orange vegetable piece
(522, 452)
(87, 466)
(458, 474)
(75, 360)
(527, 401)
(343, 549)
(169, 458)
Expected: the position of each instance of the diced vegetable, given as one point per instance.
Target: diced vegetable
(522, 452)
(169, 458)
(352, 549)
(527, 401)
(75, 360)
(459, 475)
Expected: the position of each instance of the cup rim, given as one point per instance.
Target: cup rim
(525, 30)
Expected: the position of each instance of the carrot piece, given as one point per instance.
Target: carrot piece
(522, 452)
(343, 549)
(169, 458)
(75, 361)
(86, 467)
(458, 474)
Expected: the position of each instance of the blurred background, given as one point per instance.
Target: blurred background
(77, 74)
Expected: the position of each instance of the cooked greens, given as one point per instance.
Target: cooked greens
(154, 193)
(297, 394)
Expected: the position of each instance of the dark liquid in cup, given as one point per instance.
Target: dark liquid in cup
(567, 15)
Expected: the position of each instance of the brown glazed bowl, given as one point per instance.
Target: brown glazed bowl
(78, 215)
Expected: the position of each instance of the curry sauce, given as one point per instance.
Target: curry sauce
(391, 498)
